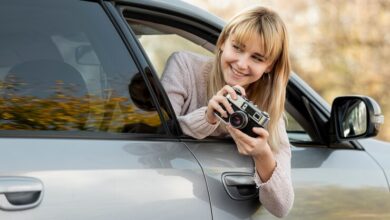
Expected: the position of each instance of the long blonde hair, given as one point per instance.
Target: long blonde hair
(269, 92)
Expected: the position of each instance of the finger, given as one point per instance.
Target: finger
(238, 133)
(261, 132)
(216, 107)
(242, 90)
(223, 91)
(222, 100)
(231, 92)
(240, 145)
(228, 90)
(244, 138)
(227, 105)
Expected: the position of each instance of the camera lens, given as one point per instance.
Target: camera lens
(238, 119)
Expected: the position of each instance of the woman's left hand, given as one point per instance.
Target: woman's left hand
(251, 146)
(258, 148)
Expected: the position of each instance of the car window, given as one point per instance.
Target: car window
(295, 132)
(160, 41)
(65, 68)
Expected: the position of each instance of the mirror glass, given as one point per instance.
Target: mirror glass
(354, 118)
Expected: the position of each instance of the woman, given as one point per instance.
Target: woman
(252, 55)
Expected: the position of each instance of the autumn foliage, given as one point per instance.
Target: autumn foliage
(62, 112)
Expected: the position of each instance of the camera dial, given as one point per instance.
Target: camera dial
(238, 119)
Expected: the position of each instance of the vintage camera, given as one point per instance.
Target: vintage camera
(246, 115)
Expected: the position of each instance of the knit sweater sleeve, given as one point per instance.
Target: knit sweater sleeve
(277, 194)
(177, 80)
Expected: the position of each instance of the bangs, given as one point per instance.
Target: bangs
(262, 32)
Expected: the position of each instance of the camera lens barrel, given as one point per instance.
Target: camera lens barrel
(238, 119)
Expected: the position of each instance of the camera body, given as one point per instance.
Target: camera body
(246, 115)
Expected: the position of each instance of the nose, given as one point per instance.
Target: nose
(242, 62)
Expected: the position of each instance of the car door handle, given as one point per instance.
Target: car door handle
(20, 193)
(240, 186)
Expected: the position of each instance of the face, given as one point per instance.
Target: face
(243, 64)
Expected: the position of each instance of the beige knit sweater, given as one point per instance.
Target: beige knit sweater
(185, 81)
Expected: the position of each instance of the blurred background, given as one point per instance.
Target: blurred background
(338, 47)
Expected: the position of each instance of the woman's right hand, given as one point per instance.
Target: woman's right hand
(219, 99)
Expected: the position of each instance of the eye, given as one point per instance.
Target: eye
(258, 59)
(237, 48)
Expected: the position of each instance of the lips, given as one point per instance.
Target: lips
(235, 77)
(236, 73)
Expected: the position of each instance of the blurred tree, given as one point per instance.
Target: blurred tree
(338, 47)
(349, 51)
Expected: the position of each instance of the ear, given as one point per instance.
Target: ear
(222, 41)
(269, 68)
(222, 47)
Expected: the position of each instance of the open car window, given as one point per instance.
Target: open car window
(159, 41)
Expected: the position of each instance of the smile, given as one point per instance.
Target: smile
(236, 73)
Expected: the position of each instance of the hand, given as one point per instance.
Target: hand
(246, 145)
(258, 148)
(219, 99)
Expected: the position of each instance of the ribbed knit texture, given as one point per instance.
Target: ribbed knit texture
(185, 81)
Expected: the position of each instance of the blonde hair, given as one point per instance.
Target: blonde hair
(269, 92)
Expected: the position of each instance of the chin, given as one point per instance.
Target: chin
(230, 84)
(233, 82)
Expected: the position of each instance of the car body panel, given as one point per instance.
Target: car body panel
(217, 158)
(102, 179)
(328, 183)
(380, 151)
(337, 184)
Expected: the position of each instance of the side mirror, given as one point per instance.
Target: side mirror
(354, 117)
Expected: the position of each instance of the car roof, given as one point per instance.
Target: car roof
(178, 6)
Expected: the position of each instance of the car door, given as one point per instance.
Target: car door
(220, 160)
(82, 135)
(331, 180)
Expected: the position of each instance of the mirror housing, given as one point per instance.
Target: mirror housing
(354, 117)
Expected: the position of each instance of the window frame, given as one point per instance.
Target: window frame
(316, 126)
(168, 21)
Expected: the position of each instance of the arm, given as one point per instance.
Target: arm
(273, 170)
(275, 186)
(179, 81)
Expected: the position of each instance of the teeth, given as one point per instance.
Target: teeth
(237, 73)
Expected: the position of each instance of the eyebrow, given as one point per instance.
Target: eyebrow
(243, 45)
